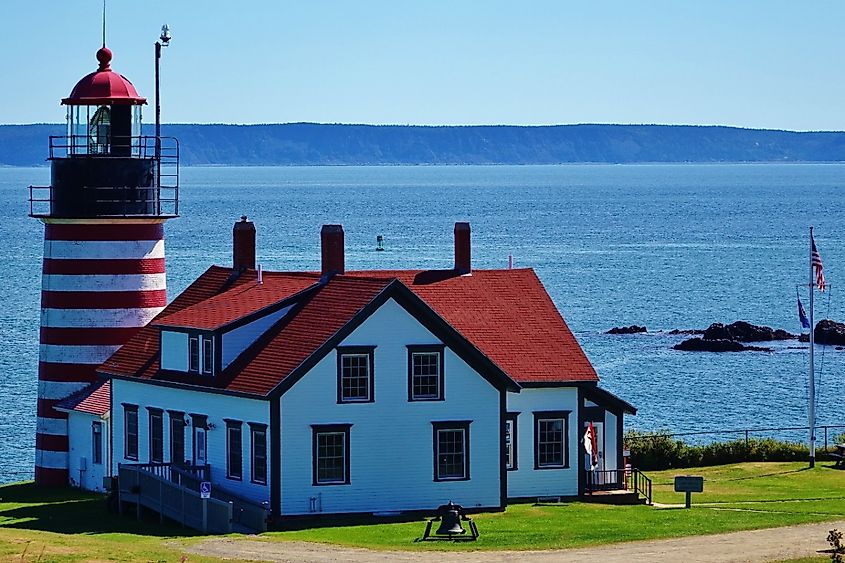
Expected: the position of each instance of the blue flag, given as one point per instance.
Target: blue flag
(805, 322)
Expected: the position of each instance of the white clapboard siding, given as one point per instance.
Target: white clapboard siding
(174, 350)
(392, 462)
(214, 405)
(527, 481)
(81, 442)
(239, 339)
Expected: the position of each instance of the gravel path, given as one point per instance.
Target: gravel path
(774, 544)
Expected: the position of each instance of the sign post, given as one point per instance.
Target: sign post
(689, 484)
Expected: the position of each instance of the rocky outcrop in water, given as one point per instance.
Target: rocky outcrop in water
(676, 331)
(716, 345)
(633, 329)
(741, 331)
(829, 332)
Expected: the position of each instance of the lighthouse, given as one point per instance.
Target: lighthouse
(103, 278)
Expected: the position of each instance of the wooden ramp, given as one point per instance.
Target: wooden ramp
(173, 492)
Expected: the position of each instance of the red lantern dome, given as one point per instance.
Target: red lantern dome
(104, 87)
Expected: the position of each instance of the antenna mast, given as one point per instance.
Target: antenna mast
(104, 23)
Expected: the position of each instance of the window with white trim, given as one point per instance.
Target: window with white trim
(194, 354)
(97, 442)
(355, 374)
(451, 451)
(207, 355)
(330, 454)
(234, 450)
(425, 373)
(258, 441)
(130, 432)
(156, 435)
(551, 449)
(511, 440)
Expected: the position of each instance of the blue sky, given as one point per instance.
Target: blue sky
(768, 64)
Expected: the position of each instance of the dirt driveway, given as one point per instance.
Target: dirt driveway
(773, 544)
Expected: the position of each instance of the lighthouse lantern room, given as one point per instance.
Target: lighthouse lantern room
(111, 191)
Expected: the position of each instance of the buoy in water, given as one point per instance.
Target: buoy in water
(379, 242)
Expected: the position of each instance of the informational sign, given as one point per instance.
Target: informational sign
(205, 489)
(689, 484)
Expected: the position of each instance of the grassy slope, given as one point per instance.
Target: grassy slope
(72, 526)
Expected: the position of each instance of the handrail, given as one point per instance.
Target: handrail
(642, 484)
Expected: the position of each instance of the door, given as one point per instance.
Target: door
(599, 478)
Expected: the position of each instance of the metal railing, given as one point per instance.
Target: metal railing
(824, 434)
(632, 480)
(120, 201)
(187, 478)
(114, 146)
(150, 486)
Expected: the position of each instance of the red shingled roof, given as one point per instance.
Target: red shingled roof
(506, 314)
(239, 301)
(94, 399)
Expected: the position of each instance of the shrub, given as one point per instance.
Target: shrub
(658, 450)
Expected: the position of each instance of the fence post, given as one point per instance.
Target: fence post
(825, 438)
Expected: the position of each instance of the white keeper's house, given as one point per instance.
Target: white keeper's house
(353, 391)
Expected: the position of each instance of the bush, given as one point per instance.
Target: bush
(657, 451)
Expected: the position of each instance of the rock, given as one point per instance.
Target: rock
(633, 329)
(829, 332)
(742, 331)
(716, 345)
(686, 331)
(803, 338)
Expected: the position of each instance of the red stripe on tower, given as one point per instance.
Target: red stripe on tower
(107, 267)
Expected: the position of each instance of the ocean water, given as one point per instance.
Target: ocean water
(667, 246)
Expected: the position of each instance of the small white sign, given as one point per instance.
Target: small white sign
(626, 453)
(205, 489)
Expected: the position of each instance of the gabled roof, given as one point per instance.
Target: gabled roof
(508, 315)
(240, 301)
(94, 399)
(502, 321)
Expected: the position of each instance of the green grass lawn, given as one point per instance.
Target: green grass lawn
(737, 497)
(74, 526)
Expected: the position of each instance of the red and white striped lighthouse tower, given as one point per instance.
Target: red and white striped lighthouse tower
(103, 274)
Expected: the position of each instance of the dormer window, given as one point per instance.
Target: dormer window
(194, 354)
(189, 351)
(207, 355)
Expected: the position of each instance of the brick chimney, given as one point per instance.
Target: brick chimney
(243, 245)
(331, 247)
(462, 249)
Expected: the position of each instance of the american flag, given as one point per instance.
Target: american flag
(817, 266)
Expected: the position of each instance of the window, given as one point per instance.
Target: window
(193, 354)
(451, 451)
(510, 440)
(97, 442)
(258, 439)
(130, 432)
(330, 454)
(425, 373)
(207, 355)
(177, 437)
(355, 374)
(234, 450)
(156, 436)
(551, 429)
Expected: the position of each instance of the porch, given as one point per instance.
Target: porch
(618, 486)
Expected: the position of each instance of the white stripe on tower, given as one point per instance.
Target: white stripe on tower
(102, 280)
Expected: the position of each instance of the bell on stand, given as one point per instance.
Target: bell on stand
(450, 516)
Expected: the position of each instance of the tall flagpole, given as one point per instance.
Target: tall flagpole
(811, 411)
